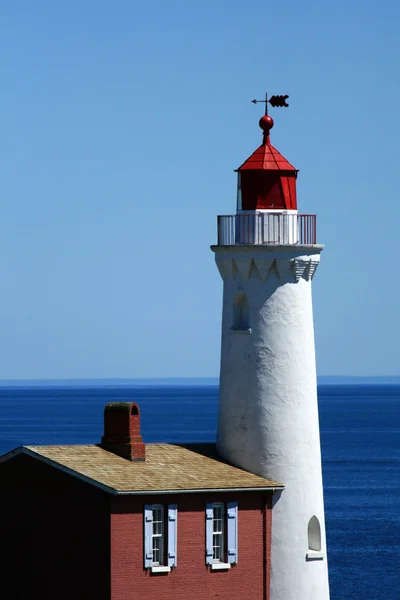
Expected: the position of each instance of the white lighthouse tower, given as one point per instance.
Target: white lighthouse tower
(268, 411)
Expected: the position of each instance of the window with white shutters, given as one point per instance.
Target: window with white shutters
(160, 538)
(221, 534)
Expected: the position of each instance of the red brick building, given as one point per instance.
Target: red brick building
(124, 521)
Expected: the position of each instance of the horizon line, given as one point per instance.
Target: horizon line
(110, 381)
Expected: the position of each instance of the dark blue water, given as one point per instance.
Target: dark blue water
(360, 436)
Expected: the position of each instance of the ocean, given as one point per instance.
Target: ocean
(360, 437)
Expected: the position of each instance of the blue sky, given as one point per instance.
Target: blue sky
(121, 125)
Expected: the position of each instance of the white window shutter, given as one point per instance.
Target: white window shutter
(172, 534)
(209, 534)
(232, 532)
(148, 536)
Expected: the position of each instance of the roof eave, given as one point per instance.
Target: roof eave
(287, 170)
(275, 488)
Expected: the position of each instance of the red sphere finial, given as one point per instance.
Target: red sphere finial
(266, 123)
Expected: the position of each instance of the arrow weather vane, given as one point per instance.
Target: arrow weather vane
(274, 101)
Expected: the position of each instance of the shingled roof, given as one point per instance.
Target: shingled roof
(167, 468)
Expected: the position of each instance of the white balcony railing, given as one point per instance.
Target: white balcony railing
(266, 228)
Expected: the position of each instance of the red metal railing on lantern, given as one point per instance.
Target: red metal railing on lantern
(267, 228)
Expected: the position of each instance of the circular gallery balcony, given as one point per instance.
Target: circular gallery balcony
(267, 228)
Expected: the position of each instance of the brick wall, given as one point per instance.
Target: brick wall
(192, 579)
(54, 535)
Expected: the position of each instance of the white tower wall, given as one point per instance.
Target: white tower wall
(268, 411)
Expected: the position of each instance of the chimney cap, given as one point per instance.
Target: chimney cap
(133, 407)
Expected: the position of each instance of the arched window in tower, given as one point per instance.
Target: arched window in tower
(314, 534)
(241, 312)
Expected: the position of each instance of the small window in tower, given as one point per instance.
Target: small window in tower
(241, 313)
(314, 540)
(314, 534)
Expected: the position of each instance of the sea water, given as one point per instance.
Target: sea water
(360, 437)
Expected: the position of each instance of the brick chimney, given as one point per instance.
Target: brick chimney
(122, 431)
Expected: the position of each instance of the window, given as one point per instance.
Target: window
(158, 535)
(221, 534)
(218, 532)
(239, 193)
(241, 312)
(314, 534)
(314, 540)
(160, 538)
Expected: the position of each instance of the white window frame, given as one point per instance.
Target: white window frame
(158, 536)
(219, 548)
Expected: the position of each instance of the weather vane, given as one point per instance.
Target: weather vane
(274, 101)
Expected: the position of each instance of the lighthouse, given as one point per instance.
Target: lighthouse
(267, 254)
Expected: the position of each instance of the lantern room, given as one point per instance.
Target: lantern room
(266, 180)
(266, 209)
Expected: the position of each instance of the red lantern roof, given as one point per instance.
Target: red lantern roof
(266, 157)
